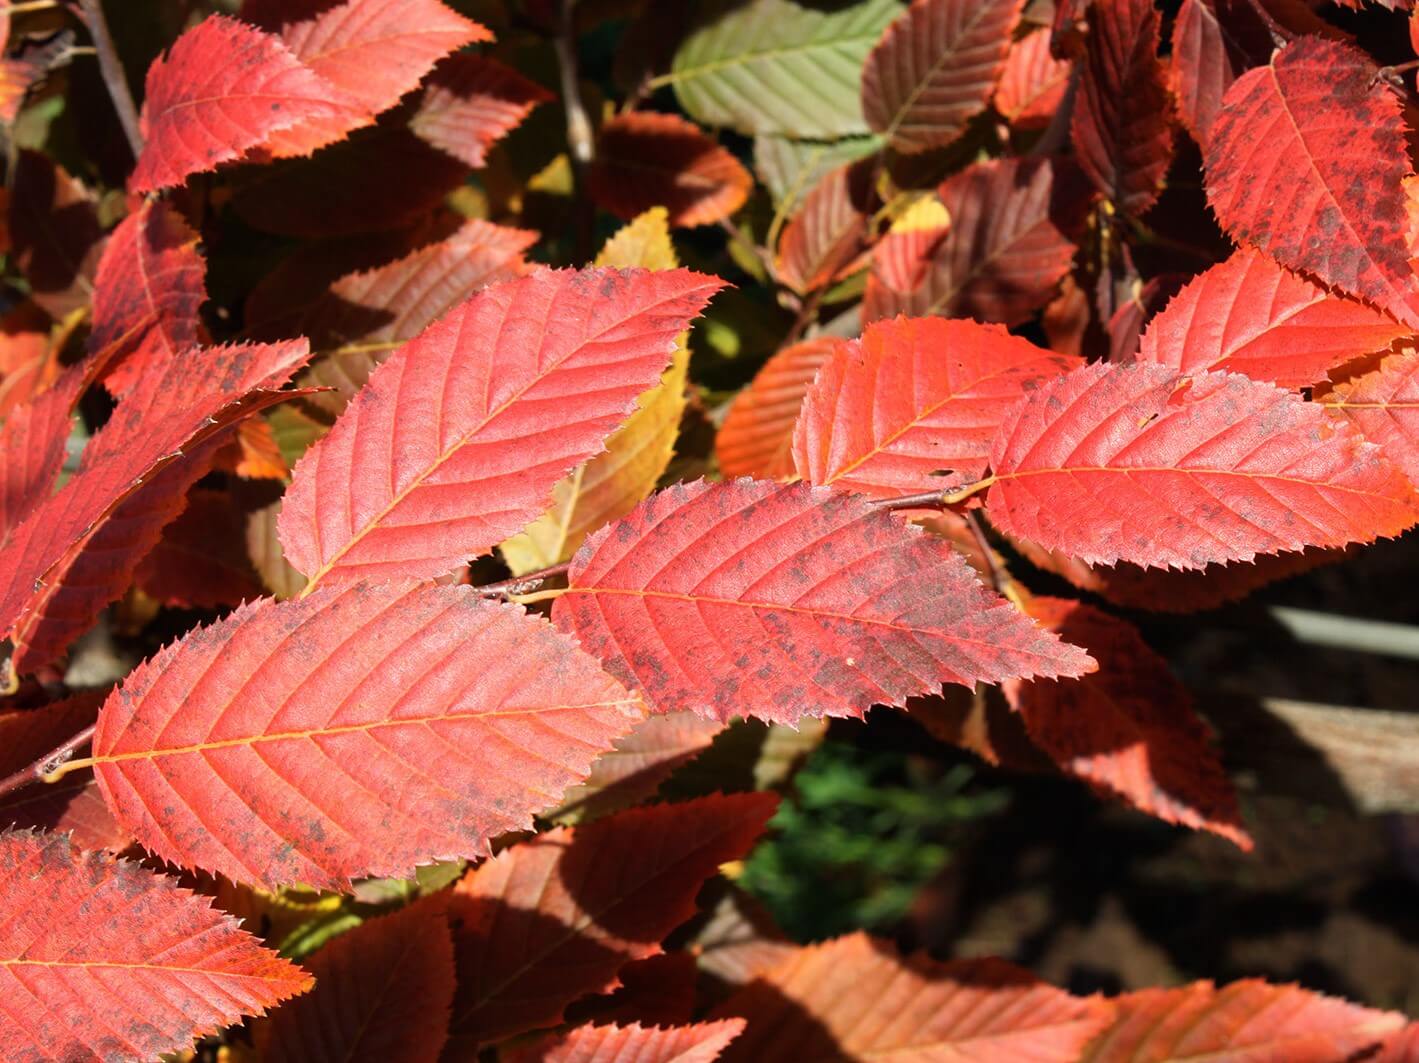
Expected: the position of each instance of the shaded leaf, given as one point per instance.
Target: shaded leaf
(382, 995)
(1032, 83)
(1237, 1023)
(698, 1043)
(856, 998)
(471, 102)
(1333, 207)
(1005, 252)
(914, 404)
(222, 89)
(1249, 315)
(72, 805)
(151, 281)
(1384, 406)
(903, 255)
(1133, 463)
(1214, 43)
(790, 168)
(779, 67)
(1122, 121)
(55, 233)
(32, 438)
(115, 961)
(756, 438)
(645, 160)
(1130, 728)
(637, 454)
(352, 758)
(934, 70)
(826, 238)
(555, 917)
(201, 559)
(476, 456)
(852, 607)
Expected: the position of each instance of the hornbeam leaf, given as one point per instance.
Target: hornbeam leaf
(700, 1042)
(372, 52)
(912, 400)
(471, 102)
(459, 438)
(645, 160)
(756, 438)
(636, 455)
(1122, 125)
(1249, 315)
(556, 917)
(857, 998)
(177, 408)
(934, 70)
(359, 731)
(1237, 1023)
(1384, 406)
(224, 88)
(382, 995)
(113, 961)
(151, 282)
(1333, 205)
(1134, 463)
(780, 602)
(1033, 82)
(1130, 728)
(780, 67)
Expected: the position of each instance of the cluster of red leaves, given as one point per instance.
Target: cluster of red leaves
(324, 452)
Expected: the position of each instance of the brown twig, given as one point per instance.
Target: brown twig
(933, 499)
(46, 764)
(523, 584)
(111, 67)
(581, 143)
(999, 578)
(739, 236)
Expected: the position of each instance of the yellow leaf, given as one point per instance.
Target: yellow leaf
(611, 484)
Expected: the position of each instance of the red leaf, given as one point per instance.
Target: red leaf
(55, 231)
(471, 102)
(779, 602)
(756, 438)
(1005, 252)
(1384, 406)
(1249, 315)
(1214, 43)
(902, 257)
(914, 404)
(201, 560)
(151, 281)
(824, 241)
(1032, 83)
(1404, 1046)
(222, 89)
(699, 1043)
(646, 160)
(555, 917)
(1238, 1023)
(934, 70)
(1129, 728)
(1333, 206)
(1133, 463)
(114, 961)
(377, 738)
(178, 404)
(382, 995)
(372, 52)
(1122, 122)
(483, 432)
(71, 805)
(856, 998)
(659, 990)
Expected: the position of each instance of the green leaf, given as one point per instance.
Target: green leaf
(780, 67)
(790, 168)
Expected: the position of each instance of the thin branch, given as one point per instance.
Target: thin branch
(523, 584)
(807, 312)
(999, 578)
(46, 766)
(111, 67)
(933, 499)
(580, 141)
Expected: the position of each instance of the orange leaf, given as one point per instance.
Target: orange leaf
(756, 438)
